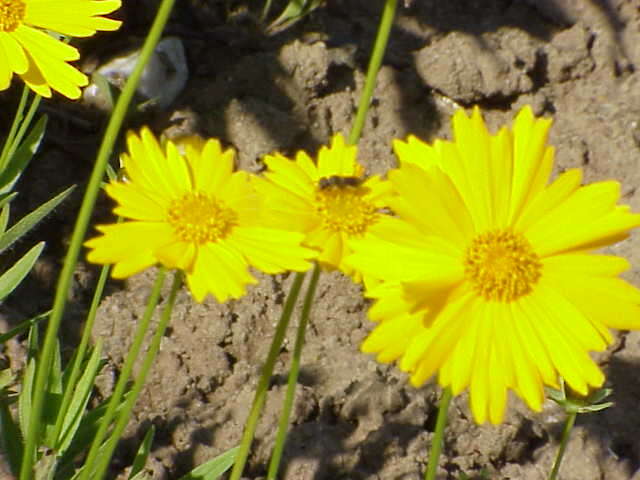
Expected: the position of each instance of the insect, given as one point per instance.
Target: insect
(339, 181)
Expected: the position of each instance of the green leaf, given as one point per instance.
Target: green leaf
(22, 156)
(143, 452)
(27, 222)
(88, 427)
(5, 198)
(295, 10)
(213, 468)
(53, 397)
(24, 399)
(45, 467)
(10, 438)
(105, 88)
(12, 277)
(22, 326)
(4, 219)
(80, 399)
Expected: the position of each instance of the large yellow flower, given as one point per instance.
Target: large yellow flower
(192, 212)
(329, 201)
(26, 48)
(492, 282)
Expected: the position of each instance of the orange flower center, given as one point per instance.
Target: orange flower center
(502, 266)
(11, 14)
(343, 207)
(198, 218)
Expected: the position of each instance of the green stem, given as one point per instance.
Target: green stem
(265, 10)
(283, 424)
(123, 378)
(438, 435)
(17, 118)
(564, 441)
(24, 126)
(66, 275)
(80, 352)
(379, 47)
(265, 378)
(123, 416)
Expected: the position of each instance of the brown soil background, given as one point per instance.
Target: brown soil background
(575, 60)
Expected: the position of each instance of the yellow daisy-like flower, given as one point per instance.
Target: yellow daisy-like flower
(492, 282)
(26, 48)
(194, 213)
(329, 201)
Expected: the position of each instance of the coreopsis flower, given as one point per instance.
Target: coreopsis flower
(329, 200)
(28, 50)
(192, 212)
(494, 283)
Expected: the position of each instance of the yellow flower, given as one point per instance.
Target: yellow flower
(193, 213)
(26, 48)
(329, 202)
(493, 284)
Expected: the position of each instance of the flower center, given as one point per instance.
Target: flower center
(343, 208)
(502, 266)
(11, 14)
(198, 218)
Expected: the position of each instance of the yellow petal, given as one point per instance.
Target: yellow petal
(272, 251)
(220, 271)
(77, 18)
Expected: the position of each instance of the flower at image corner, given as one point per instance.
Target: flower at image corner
(28, 50)
(192, 212)
(329, 200)
(494, 284)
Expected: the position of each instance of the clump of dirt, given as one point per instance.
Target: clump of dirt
(354, 418)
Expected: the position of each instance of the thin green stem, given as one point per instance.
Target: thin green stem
(17, 118)
(80, 352)
(125, 413)
(564, 441)
(265, 10)
(82, 222)
(265, 378)
(379, 47)
(123, 378)
(438, 435)
(283, 424)
(24, 126)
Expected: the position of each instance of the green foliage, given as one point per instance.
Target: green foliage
(58, 446)
(294, 11)
(213, 468)
(137, 469)
(573, 403)
(16, 163)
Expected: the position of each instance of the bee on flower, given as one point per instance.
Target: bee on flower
(491, 280)
(329, 200)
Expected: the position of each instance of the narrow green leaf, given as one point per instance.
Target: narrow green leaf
(53, 397)
(24, 399)
(22, 156)
(45, 467)
(105, 89)
(294, 11)
(87, 430)
(213, 468)
(22, 326)
(12, 277)
(143, 452)
(27, 222)
(4, 219)
(5, 198)
(10, 438)
(80, 399)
